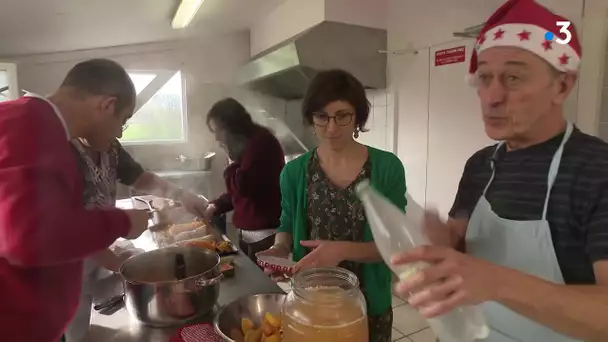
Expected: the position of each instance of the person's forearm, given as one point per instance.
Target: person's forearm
(577, 311)
(361, 251)
(223, 203)
(152, 184)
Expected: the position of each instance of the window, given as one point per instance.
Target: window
(8, 82)
(160, 110)
(4, 87)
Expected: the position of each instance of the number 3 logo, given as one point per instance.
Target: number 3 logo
(564, 29)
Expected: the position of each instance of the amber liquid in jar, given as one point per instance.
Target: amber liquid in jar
(325, 305)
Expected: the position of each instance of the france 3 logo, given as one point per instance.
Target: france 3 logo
(564, 29)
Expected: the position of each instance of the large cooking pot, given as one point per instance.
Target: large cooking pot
(171, 286)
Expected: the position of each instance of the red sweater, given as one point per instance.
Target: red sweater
(252, 184)
(45, 232)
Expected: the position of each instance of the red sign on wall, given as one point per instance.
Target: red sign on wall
(450, 56)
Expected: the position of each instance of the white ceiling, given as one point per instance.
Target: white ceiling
(35, 26)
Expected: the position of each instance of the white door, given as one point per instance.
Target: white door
(455, 128)
(9, 89)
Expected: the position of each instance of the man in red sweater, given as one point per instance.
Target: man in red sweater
(45, 232)
(252, 180)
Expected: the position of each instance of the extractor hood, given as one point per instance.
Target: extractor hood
(286, 71)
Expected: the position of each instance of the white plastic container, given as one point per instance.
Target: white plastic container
(395, 233)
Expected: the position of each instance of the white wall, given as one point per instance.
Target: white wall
(436, 113)
(593, 95)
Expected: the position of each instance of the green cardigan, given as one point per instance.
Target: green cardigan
(388, 177)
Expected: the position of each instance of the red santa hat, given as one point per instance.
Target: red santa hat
(530, 26)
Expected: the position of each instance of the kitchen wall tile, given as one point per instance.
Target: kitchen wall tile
(380, 98)
(380, 116)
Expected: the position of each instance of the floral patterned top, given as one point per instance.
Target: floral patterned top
(100, 177)
(336, 214)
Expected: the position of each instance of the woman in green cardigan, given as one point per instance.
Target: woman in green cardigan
(322, 221)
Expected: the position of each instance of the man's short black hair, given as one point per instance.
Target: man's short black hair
(231, 116)
(102, 77)
(336, 85)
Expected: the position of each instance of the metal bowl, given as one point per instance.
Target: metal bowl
(227, 322)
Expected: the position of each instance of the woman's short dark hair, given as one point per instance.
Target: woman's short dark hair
(336, 85)
(231, 116)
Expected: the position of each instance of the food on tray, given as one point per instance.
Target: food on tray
(269, 330)
(184, 227)
(212, 244)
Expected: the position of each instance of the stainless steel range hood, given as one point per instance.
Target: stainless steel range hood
(286, 71)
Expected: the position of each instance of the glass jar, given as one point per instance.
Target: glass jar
(325, 305)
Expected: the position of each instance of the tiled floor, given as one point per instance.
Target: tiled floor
(408, 325)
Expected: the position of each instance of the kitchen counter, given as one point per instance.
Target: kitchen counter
(181, 173)
(120, 327)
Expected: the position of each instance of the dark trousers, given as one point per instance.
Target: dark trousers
(250, 249)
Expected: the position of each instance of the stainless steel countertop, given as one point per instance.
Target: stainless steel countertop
(120, 327)
(182, 173)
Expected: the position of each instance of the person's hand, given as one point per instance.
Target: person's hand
(324, 254)
(194, 204)
(209, 212)
(139, 223)
(452, 280)
(119, 259)
(278, 251)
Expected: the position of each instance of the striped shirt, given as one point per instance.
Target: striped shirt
(578, 205)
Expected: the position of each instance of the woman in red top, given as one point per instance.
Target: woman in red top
(252, 179)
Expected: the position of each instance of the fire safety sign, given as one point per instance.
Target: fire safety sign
(450, 56)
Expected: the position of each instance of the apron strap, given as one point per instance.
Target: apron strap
(554, 169)
(493, 166)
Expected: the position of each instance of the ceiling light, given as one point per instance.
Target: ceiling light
(185, 13)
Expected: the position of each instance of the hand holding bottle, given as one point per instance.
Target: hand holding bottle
(451, 280)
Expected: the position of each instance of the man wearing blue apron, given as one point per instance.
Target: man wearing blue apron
(531, 211)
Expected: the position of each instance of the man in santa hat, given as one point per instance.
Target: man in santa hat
(531, 210)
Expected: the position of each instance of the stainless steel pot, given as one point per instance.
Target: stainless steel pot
(171, 286)
(198, 163)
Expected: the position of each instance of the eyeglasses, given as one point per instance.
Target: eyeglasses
(340, 118)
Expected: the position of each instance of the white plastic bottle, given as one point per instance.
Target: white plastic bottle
(393, 233)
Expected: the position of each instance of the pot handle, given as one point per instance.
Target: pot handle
(208, 282)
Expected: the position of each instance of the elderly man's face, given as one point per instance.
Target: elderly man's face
(519, 91)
